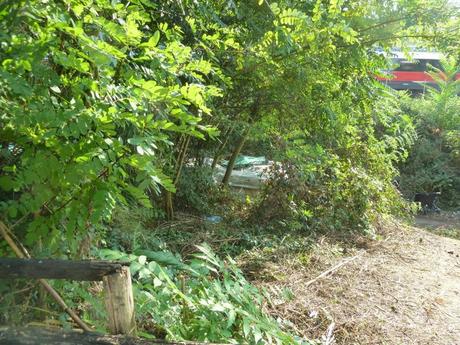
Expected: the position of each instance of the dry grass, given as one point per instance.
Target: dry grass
(404, 289)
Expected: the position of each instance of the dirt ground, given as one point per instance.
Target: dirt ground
(401, 289)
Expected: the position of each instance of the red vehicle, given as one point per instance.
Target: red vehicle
(411, 74)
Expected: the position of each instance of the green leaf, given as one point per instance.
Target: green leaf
(55, 89)
(231, 318)
(142, 259)
(6, 183)
(157, 282)
(135, 267)
(12, 211)
(111, 254)
(165, 258)
(153, 41)
(246, 327)
(139, 195)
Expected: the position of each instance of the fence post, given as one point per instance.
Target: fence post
(119, 302)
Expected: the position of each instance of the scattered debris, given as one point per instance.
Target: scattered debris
(213, 219)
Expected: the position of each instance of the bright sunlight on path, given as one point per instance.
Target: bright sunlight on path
(404, 289)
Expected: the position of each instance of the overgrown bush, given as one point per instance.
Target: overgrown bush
(343, 185)
(434, 161)
(196, 190)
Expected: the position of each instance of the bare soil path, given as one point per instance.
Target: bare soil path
(404, 289)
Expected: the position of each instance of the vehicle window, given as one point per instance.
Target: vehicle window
(410, 66)
(435, 64)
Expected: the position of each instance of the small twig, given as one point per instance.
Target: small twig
(380, 308)
(331, 270)
(329, 338)
(230, 239)
(22, 290)
(44, 310)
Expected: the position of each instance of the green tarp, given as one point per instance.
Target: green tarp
(246, 161)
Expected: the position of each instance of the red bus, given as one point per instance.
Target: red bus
(411, 73)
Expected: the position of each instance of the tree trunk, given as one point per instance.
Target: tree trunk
(181, 159)
(232, 160)
(169, 207)
(221, 147)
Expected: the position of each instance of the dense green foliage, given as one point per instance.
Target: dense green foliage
(346, 183)
(89, 106)
(108, 105)
(434, 162)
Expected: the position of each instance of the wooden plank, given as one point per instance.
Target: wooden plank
(84, 270)
(42, 336)
(119, 302)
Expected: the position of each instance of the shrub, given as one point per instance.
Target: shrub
(343, 184)
(196, 189)
(205, 299)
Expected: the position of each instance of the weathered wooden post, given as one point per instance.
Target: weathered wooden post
(119, 302)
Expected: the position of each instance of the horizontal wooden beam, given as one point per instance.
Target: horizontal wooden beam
(84, 270)
(40, 336)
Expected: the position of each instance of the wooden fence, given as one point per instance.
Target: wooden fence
(115, 276)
